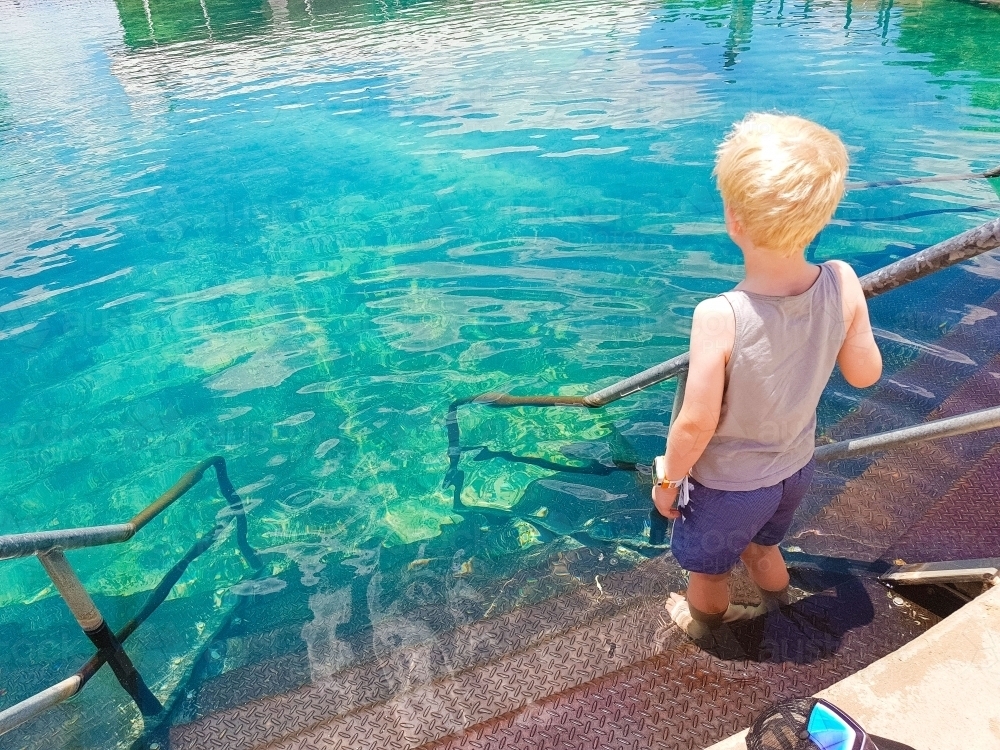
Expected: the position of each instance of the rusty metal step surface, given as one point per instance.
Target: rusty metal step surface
(685, 698)
(843, 626)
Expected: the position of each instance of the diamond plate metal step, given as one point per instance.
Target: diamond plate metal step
(438, 655)
(231, 677)
(894, 492)
(945, 527)
(820, 639)
(686, 698)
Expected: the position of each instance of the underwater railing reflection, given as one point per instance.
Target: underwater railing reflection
(961, 247)
(48, 547)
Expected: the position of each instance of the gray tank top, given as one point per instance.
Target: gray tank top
(782, 358)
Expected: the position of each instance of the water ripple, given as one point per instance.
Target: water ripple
(293, 233)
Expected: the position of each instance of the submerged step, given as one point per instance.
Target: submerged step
(686, 698)
(628, 672)
(417, 667)
(962, 523)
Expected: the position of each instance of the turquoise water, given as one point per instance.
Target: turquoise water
(292, 234)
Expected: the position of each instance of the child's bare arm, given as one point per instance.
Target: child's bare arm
(859, 358)
(713, 332)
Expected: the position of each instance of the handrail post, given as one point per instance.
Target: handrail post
(658, 523)
(97, 630)
(50, 546)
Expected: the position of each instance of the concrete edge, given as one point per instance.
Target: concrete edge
(941, 691)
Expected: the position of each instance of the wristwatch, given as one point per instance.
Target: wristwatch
(658, 471)
(682, 485)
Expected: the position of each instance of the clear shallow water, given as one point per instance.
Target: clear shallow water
(292, 233)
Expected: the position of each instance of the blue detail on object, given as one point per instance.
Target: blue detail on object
(829, 731)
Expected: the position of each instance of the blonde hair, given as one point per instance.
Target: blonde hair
(782, 177)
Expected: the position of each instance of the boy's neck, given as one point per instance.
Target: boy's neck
(769, 273)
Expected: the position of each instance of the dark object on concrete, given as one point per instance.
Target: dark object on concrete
(783, 727)
(786, 725)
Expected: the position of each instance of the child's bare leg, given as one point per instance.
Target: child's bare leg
(707, 606)
(768, 570)
(708, 594)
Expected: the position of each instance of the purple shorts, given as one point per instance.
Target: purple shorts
(717, 525)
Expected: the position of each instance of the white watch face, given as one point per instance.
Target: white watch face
(659, 469)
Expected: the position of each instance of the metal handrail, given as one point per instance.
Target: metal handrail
(989, 174)
(944, 254)
(34, 542)
(984, 419)
(48, 546)
(961, 247)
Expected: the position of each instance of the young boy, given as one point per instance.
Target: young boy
(742, 445)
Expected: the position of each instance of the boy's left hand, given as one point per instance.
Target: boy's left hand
(664, 499)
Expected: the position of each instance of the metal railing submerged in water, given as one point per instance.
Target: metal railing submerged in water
(961, 247)
(48, 547)
(989, 174)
